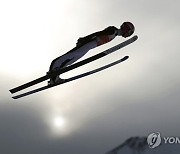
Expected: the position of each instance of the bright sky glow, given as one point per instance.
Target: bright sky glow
(59, 122)
(58, 126)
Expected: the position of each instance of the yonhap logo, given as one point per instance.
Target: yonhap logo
(154, 140)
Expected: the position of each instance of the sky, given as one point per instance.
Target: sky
(96, 113)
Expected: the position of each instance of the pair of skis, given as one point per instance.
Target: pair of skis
(71, 67)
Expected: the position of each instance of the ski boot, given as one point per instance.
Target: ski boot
(55, 80)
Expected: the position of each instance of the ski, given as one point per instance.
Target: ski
(71, 79)
(73, 66)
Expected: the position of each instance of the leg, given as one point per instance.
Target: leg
(69, 58)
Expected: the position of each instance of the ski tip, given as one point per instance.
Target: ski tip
(125, 58)
(135, 37)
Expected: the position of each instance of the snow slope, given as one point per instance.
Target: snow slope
(137, 145)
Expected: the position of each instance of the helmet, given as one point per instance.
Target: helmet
(127, 29)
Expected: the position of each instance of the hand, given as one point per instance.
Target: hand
(80, 41)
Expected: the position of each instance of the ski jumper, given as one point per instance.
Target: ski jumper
(83, 46)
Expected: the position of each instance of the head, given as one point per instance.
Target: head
(126, 29)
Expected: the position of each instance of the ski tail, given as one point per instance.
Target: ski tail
(26, 85)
